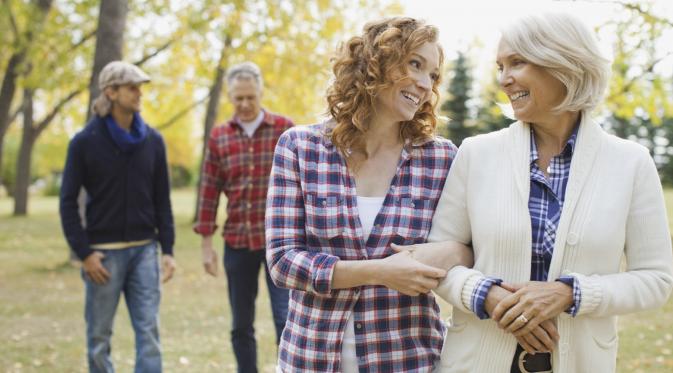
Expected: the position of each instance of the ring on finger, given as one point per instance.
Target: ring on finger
(523, 319)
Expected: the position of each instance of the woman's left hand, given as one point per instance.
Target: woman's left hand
(531, 303)
(443, 255)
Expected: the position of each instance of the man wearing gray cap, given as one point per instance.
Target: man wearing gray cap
(121, 163)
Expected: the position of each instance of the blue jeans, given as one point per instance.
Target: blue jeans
(135, 273)
(242, 269)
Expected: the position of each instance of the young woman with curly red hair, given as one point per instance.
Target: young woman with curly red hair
(343, 191)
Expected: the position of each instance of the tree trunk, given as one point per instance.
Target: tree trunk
(25, 154)
(109, 42)
(211, 115)
(12, 71)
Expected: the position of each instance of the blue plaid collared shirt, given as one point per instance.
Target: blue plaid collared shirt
(545, 204)
(312, 222)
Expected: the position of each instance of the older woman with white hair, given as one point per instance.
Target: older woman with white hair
(551, 205)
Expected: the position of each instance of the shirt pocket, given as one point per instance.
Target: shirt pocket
(324, 216)
(412, 220)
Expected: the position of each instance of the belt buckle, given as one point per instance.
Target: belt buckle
(522, 361)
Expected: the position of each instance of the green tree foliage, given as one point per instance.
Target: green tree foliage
(455, 107)
(638, 104)
(490, 115)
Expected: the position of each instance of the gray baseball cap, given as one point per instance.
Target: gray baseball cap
(120, 73)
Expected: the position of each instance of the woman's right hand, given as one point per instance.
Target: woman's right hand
(405, 274)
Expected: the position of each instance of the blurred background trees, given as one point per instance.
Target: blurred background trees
(52, 51)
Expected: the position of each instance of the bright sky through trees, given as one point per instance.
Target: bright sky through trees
(462, 23)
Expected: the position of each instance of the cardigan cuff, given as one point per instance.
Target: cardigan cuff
(451, 287)
(469, 287)
(591, 293)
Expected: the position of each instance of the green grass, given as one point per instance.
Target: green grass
(41, 306)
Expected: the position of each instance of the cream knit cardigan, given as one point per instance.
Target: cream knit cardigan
(614, 209)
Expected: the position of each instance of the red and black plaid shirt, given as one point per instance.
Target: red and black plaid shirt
(239, 166)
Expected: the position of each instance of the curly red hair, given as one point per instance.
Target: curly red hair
(367, 64)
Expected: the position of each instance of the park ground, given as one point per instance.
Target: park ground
(41, 306)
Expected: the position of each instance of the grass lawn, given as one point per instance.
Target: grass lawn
(42, 297)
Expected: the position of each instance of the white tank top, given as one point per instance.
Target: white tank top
(368, 208)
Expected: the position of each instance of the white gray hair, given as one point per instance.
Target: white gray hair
(568, 50)
(245, 71)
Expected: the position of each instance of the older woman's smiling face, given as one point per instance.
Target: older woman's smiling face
(532, 90)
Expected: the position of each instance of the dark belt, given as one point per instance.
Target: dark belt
(524, 362)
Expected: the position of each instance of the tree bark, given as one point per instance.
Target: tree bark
(6, 98)
(25, 155)
(211, 114)
(109, 42)
(13, 70)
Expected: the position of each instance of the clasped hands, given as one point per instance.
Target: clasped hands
(528, 311)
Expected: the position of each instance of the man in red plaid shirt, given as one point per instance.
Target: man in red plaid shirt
(238, 161)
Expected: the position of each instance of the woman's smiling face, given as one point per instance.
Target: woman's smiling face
(400, 102)
(533, 92)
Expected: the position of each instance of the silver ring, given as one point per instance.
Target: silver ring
(523, 319)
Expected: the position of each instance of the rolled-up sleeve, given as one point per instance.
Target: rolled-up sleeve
(291, 265)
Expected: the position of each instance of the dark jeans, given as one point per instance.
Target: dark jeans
(242, 269)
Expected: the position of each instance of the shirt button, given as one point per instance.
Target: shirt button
(251, 149)
(324, 203)
(252, 168)
(249, 205)
(358, 326)
(413, 205)
(572, 238)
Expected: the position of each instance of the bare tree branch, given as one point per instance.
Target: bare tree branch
(639, 9)
(181, 113)
(148, 56)
(83, 40)
(41, 125)
(73, 47)
(627, 5)
(15, 114)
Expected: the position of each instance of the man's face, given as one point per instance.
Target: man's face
(245, 95)
(125, 97)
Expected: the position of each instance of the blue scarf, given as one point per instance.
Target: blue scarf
(127, 141)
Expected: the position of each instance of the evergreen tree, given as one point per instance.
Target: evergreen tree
(456, 106)
(489, 115)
